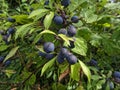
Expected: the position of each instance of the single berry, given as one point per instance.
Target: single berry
(116, 74)
(75, 19)
(7, 62)
(46, 2)
(31, 9)
(58, 20)
(64, 52)
(62, 31)
(65, 3)
(93, 62)
(72, 59)
(60, 58)
(11, 19)
(1, 59)
(11, 30)
(71, 31)
(48, 47)
(49, 56)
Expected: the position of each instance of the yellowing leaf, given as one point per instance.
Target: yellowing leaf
(74, 72)
(80, 47)
(65, 38)
(85, 70)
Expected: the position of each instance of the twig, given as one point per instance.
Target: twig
(32, 73)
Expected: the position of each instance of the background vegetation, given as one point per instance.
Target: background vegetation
(25, 27)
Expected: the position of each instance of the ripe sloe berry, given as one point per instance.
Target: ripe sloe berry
(49, 56)
(75, 19)
(72, 59)
(62, 31)
(71, 31)
(48, 47)
(1, 59)
(116, 74)
(7, 62)
(11, 19)
(60, 58)
(46, 2)
(11, 30)
(93, 62)
(65, 3)
(58, 20)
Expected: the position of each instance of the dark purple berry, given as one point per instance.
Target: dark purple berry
(46, 2)
(64, 52)
(72, 59)
(116, 74)
(62, 31)
(60, 58)
(48, 47)
(58, 20)
(65, 3)
(1, 59)
(71, 31)
(93, 62)
(49, 56)
(7, 62)
(11, 30)
(11, 19)
(75, 19)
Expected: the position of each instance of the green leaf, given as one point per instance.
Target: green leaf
(43, 32)
(48, 20)
(65, 38)
(22, 30)
(75, 4)
(80, 47)
(85, 70)
(9, 72)
(48, 65)
(95, 40)
(3, 47)
(75, 69)
(113, 5)
(22, 19)
(38, 12)
(11, 53)
(48, 31)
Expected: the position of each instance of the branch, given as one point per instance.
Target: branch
(33, 73)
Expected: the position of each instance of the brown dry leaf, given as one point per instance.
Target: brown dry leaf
(64, 74)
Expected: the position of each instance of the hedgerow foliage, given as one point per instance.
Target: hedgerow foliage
(59, 45)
